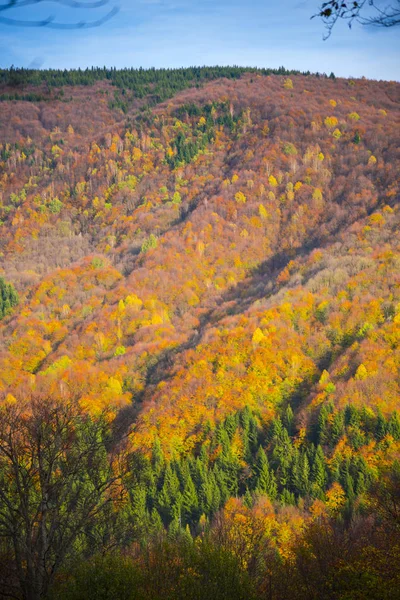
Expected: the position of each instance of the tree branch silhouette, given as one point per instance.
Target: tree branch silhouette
(50, 21)
(355, 11)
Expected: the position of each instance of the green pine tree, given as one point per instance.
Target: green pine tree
(190, 501)
(318, 471)
(169, 498)
(288, 420)
(264, 478)
(394, 425)
(381, 426)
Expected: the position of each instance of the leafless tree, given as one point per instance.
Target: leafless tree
(365, 12)
(56, 480)
(50, 20)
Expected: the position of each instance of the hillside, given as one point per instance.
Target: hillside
(215, 261)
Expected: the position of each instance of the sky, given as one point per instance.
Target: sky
(175, 33)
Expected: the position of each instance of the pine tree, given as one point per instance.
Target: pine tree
(248, 499)
(264, 477)
(346, 480)
(169, 497)
(323, 426)
(288, 420)
(282, 456)
(394, 426)
(356, 437)
(318, 471)
(205, 495)
(295, 479)
(190, 501)
(352, 416)
(8, 298)
(221, 486)
(230, 425)
(304, 468)
(156, 524)
(337, 427)
(157, 457)
(381, 427)
(276, 429)
(287, 497)
(361, 485)
(229, 464)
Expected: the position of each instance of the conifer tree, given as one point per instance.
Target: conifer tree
(381, 426)
(282, 455)
(8, 298)
(337, 426)
(264, 477)
(287, 497)
(322, 427)
(318, 471)
(394, 425)
(221, 485)
(157, 457)
(169, 497)
(288, 420)
(190, 501)
(304, 468)
(156, 524)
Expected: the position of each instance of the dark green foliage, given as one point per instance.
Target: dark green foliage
(157, 84)
(318, 472)
(381, 426)
(110, 577)
(8, 298)
(288, 420)
(394, 425)
(264, 478)
(175, 493)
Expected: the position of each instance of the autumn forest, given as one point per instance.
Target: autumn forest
(199, 335)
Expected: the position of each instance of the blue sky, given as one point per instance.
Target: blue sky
(174, 33)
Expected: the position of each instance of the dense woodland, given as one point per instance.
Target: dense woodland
(199, 335)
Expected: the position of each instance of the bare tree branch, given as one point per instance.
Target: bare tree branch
(50, 21)
(356, 11)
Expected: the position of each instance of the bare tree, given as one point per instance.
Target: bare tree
(365, 12)
(56, 480)
(50, 20)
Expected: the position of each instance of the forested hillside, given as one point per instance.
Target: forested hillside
(200, 307)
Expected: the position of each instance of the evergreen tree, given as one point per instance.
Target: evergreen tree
(394, 426)
(157, 457)
(156, 524)
(381, 427)
(323, 434)
(337, 426)
(352, 416)
(318, 471)
(276, 429)
(218, 494)
(288, 420)
(361, 485)
(282, 456)
(346, 480)
(8, 298)
(356, 437)
(221, 485)
(229, 464)
(230, 425)
(190, 501)
(264, 478)
(304, 468)
(169, 498)
(248, 499)
(287, 497)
